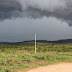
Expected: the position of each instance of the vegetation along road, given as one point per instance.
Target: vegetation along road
(15, 57)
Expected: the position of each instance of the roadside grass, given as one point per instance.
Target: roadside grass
(20, 56)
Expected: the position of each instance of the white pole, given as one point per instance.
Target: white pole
(35, 42)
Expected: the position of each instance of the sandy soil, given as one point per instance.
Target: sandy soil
(61, 67)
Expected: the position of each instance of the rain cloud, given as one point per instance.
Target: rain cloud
(60, 9)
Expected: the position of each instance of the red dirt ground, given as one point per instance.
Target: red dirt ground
(61, 67)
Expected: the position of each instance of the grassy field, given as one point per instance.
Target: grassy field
(18, 56)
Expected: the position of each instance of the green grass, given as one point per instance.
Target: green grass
(20, 56)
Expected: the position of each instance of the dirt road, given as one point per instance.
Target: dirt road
(61, 67)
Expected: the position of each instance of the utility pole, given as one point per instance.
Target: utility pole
(35, 42)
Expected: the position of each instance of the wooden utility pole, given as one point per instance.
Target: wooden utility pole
(35, 42)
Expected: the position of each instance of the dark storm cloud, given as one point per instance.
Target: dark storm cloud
(9, 8)
(61, 9)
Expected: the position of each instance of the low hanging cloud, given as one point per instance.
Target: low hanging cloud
(61, 9)
(23, 29)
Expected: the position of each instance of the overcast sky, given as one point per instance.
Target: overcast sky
(50, 19)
